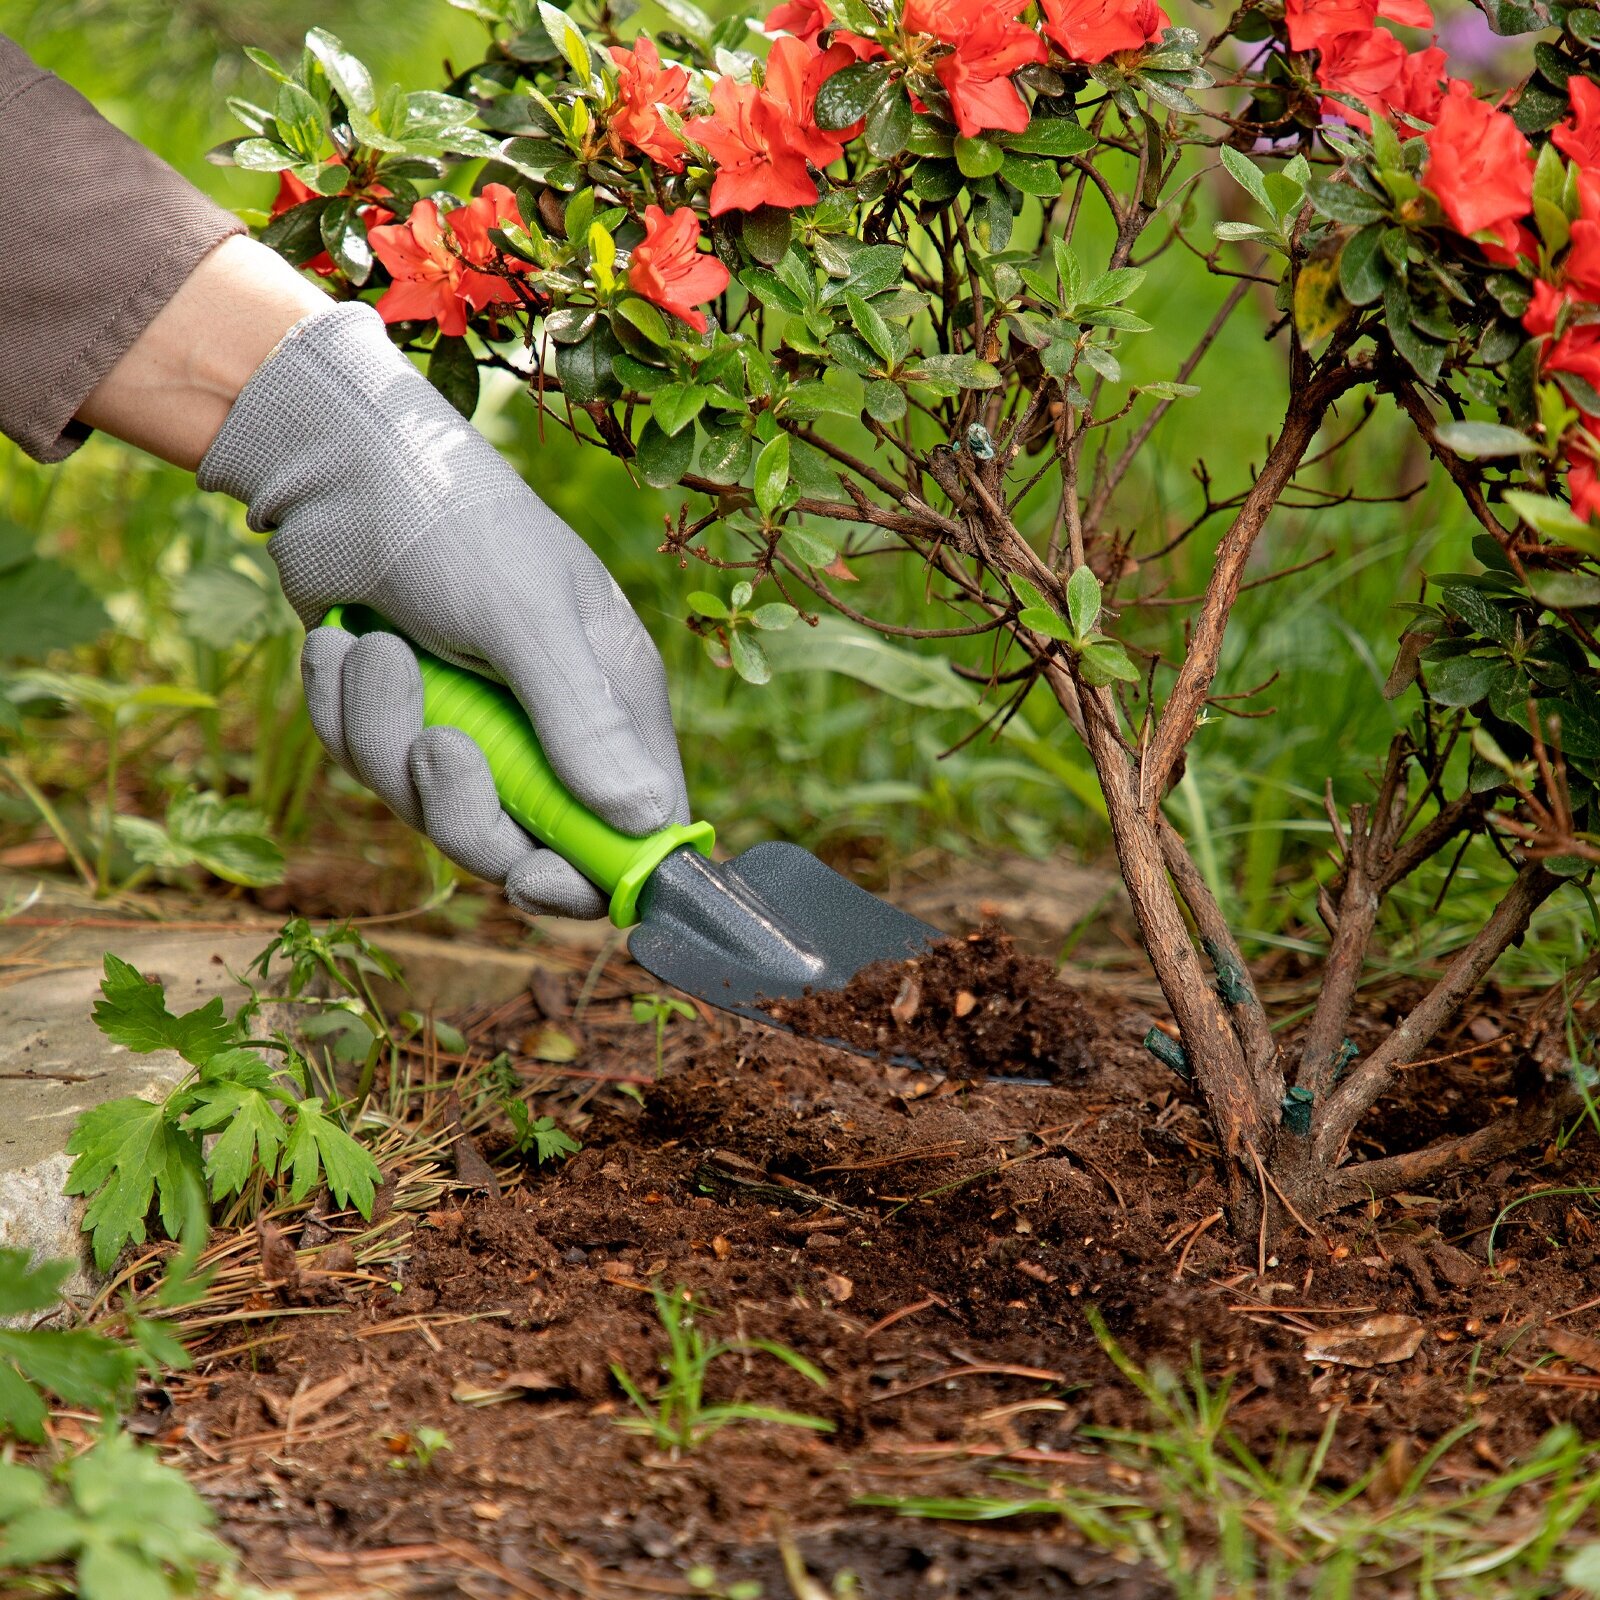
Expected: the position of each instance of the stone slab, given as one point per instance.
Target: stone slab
(55, 1064)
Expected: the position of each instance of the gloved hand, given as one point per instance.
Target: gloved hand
(382, 494)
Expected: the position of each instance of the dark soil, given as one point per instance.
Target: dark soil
(931, 1243)
(974, 1007)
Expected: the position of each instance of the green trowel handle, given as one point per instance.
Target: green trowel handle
(491, 716)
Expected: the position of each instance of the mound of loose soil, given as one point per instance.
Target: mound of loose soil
(973, 1007)
(930, 1243)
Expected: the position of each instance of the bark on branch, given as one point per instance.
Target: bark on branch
(1188, 696)
(1373, 1077)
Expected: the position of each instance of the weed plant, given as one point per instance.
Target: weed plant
(676, 1417)
(1214, 1519)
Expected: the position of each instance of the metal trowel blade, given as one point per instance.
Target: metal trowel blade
(768, 925)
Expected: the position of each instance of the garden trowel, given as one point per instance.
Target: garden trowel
(770, 924)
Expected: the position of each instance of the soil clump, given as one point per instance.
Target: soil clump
(973, 1007)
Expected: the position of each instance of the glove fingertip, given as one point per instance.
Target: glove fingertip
(542, 884)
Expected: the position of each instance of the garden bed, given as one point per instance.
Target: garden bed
(934, 1246)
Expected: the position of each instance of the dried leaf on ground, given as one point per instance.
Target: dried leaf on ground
(1373, 1342)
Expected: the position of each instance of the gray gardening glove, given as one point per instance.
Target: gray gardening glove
(381, 494)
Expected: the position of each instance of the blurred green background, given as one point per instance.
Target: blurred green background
(862, 775)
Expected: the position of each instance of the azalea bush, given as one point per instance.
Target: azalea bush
(863, 284)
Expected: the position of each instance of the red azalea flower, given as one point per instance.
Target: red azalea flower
(1376, 68)
(438, 263)
(1091, 30)
(805, 19)
(1582, 266)
(761, 139)
(1583, 482)
(671, 271)
(1314, 23)
(1480, 167)
(1420, 89)
(1578, 138)
(292, 192)
(1577, 351)
(1408, 13)
(988, 45)
(643, 87)
(1543, 309)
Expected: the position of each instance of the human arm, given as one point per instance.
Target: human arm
(172, 336)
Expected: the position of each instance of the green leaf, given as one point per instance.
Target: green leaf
(1035, 175)
(1083, 600)
(885, 400)
(1363, 267)
(663, 458)
(870, 325)
(1479, 439)
(252, 1134)
(1343, 202)
(843, 98)
(749, 658)
(960, 371)
(809, 547)
(889, 123)
(80, 1366)
(767, 233)
(643, 316)
(222, 606)
(263, 155)
(318, 1145)
(1112, 288)
(453, 371)
(979, 158)
(678, 404)
(22, 1413)
(875, 268)
(44, 606)
(299, 120)
(1555, 519)
(346, 72)
(725, 453)
(226, 837)
(584, 367)
(1461, 680)
(569, 39)
(1051, 136)
(772, 478)
(774, 617)
(1565, 591)
(134, 1013)
(1106, 662)
(1582, 1570)
(1248, 176)
(126, 1153)
(835, 645)
(25, 1286)
(1048, 621)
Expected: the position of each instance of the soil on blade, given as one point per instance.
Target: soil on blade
(929, 1242)
(975, 1007)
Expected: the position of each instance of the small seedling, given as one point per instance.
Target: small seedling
(703, 1581)
(658, 1010)
(538, 1137)
(414, 1451)
(677, 1417)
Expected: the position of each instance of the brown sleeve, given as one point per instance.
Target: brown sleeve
(96, 235)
